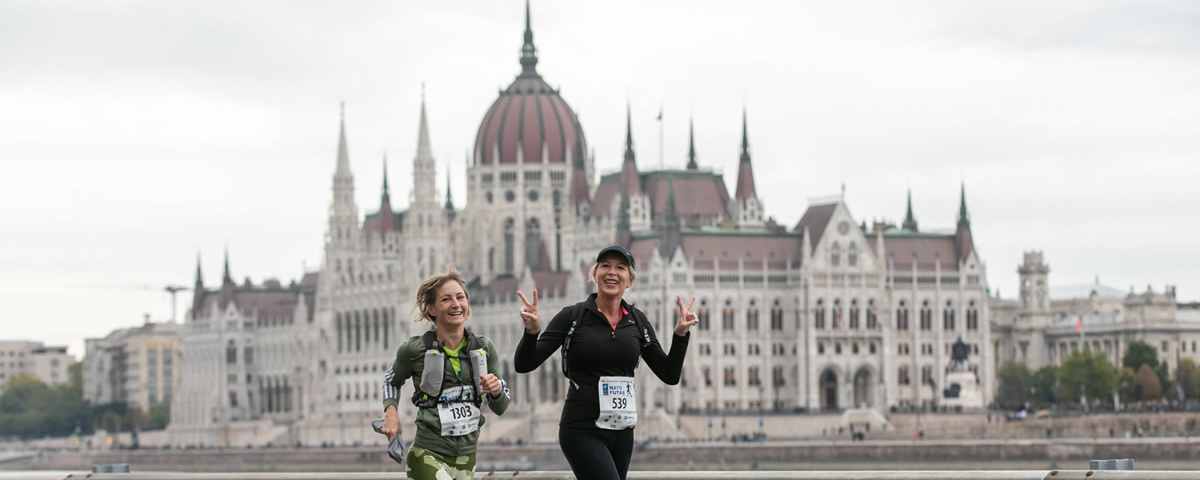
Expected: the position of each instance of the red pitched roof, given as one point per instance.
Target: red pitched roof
(816, 218)
(923, 249)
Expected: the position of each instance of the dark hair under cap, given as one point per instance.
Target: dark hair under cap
(619, 250)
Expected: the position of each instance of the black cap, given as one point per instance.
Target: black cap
(618, 250)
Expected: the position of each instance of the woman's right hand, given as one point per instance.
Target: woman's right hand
(391, 423)
(529, 313)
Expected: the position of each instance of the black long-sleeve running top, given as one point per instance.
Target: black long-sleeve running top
(598, 350)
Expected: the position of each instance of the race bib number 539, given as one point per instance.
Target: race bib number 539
(618, 403)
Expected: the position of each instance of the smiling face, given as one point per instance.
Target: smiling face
(451, 306)
(612, 276)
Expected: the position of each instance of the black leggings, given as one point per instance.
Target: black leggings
(595, 453)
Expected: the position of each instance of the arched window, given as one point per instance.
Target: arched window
(835, 255)
(948, 316)
(533, 244)
(854, 314)
(509, 241)
(902, 316)
(972, 316)
(926, 316)
(872, 315)
(837, 314)
(852, 255)
(819, 315)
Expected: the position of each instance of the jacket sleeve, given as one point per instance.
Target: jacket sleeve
(401, 370)
(667, 366)
(498, 405)
(535, 349)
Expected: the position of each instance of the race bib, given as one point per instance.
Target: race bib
(457, 411)
(618, 404)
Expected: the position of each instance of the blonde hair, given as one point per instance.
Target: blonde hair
(427, 292)
(595, 266)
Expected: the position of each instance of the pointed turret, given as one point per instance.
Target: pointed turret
(198, 290)
(963, 240)
(199, 276)
(227, 285)
(630, 179)
(343, 213)
(528, 51)
(964, 220)
(746, 209)
(691, 165)
(910, 222)
(424, 166)
(226, 277)
(387, 218)
(386, 197)
(343, 155)
(745, 185)
(449, 206)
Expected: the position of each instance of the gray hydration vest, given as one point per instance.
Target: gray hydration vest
(428, 393)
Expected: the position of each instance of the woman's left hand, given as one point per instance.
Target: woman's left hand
(687, 317)
(490, 383)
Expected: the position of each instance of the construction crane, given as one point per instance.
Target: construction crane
(173, 289)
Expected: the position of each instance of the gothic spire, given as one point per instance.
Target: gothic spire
(628, 132)
(691, 165)
(964, 220)
(745, 139)
(745, 185)
(630, 178)
(424, 172)
(449, 200)
(343, 156)
(910, 222)
(387, 198)
(199, 276)
(226, 277)
(528, 51)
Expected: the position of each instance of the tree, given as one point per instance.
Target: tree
(1014, 381)
(160, 415)
(24, 393)
(1186, 376)
(1088, 376)
(1044, 385)
(1127, 385)
(1138, 354)
(30, 408)
(1147, 382)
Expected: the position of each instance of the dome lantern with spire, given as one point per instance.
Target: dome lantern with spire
(528, 117)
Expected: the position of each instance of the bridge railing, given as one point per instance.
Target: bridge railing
(650, 475)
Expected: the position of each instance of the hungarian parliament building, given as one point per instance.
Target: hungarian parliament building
(824, 315)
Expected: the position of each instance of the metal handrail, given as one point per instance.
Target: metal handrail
(653, 475)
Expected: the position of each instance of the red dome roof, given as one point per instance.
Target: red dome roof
(528, 115)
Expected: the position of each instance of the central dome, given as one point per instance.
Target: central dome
(529, 120)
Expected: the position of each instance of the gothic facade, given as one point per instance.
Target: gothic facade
(827, 314)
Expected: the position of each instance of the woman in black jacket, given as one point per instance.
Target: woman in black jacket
(602, 338)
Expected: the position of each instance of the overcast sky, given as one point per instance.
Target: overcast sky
(136, 135)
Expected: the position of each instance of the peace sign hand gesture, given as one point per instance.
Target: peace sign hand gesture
(687, 317)
(529, 313)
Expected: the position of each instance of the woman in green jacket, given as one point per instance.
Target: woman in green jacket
(453, 374)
